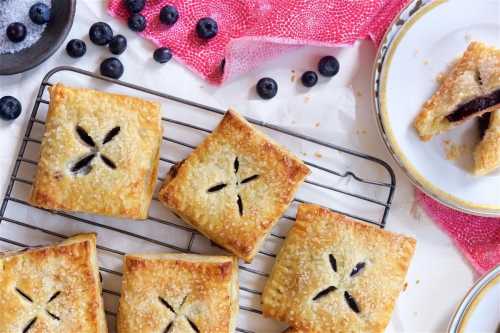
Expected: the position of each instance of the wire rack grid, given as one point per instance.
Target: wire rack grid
(22, 229)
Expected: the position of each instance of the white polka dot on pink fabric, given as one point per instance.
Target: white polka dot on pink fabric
(251, 31)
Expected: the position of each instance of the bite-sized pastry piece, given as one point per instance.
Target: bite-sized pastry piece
(487, 151)
(178, 293)
(234, 186)
(99, 153)
(52, 289)
(333, 274)
(470, 88)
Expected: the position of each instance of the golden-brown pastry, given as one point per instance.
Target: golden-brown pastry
(487, 151)
(52, 289)
(178, 293)
(471, 87)
(333, 274)
(234, 186)
(99, 153)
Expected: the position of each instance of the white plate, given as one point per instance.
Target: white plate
(420, 45)
(480, 309)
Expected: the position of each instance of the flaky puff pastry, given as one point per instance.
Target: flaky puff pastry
(234, 186)
(99, 153)
(53, 289)
(475, 74)
(487, 151)
(333, 274)
(178, 293)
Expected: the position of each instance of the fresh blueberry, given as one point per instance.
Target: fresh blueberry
(16, 32)
(76, 48)
(169, 15)
(222, 65)
(112, 67)
(40, 13)
(135, 6)
(162, 55)
(10, 108)
(267, 88)
(206, 28)
(137, 22)
(328, 66)
(118, 44)
(100, 33)
(309, 78)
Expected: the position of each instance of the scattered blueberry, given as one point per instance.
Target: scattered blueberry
(162, 55)
(222, 65)
(40, 13)
(328, 66)
(100, 33)
(267, 88)
(169, 15)
(76, 48)
(206, 28)
(118, 44)
(135, 6)
(137, 22)
(10, 108)
(309, 78)
(112, 67)
(16, 32)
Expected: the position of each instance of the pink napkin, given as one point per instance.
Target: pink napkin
(477, 237)
(252, 31)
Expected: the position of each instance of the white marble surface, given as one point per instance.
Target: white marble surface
(438, 277)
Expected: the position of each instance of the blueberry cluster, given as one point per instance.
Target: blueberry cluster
(100, 33)
(206, 27)
(39, 13)
(328, 66)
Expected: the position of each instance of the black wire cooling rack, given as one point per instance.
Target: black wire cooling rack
(23, 226)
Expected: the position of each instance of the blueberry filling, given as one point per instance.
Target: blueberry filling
(193, 325)
(351, 302)
(484, 124)
(359, 267)
(324, 292)
(333, 262)
(474, 106)
(29, 325)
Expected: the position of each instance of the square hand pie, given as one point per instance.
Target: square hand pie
(178, 293)
(470, 88)
(52, 289)
(333, 274)
(234, 186)
(99, 154)
(487, 151)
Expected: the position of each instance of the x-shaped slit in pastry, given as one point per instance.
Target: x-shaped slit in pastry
(83, 165)
(349, 299)
(27, 298)
(238, 184)
(170, 325)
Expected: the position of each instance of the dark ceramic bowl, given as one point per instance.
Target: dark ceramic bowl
(54, 34)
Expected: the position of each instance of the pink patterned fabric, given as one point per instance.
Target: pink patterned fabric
(477, 237)
(252, 31)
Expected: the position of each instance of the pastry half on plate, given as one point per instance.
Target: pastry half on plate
(487, 151)
(52, 289)
(334, 274)
(469, 90)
